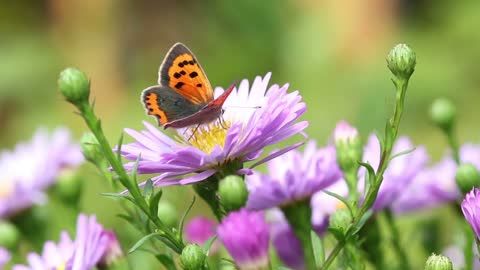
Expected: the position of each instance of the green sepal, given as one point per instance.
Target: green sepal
(208, 244)
(337, 233)
(182, 220)
(166, 261)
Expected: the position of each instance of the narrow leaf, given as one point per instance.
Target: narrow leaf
(148, 188)
(154, 200)
(342, 199)
(119, 148)
(370, 171)
(166, 261)
(318, 250)
(402, 153)
(143, 240)
(182, 220)
(118, 196)
(206, 246)
(169, 244)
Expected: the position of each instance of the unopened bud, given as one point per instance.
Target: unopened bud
(74, 85)
(401, 61)
(9, 235)
(90, 148)
(438, 262)
(341, 219)
(348, 147)
(193, 257)
(233, 193)
(443, 113)
(167, 213)
(467, 177)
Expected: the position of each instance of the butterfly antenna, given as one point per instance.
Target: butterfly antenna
(193, 132)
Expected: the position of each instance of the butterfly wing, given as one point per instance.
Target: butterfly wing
(167, 105)
(182, 72)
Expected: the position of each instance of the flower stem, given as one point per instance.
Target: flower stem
(404, 263)
(94, 124)
(207, 190)
(391, 132)
(299, 216)
(453, 142)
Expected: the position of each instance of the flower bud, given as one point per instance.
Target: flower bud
(74, 85)
(443, 113)
(438, 262)
(193, 257)
(233, 193)
(90, 148)
(113, 253)
(467, 177)
(348, 147)
(167, 213)
(69, 186)
(401, 61)
(340, 219)
(9, 235)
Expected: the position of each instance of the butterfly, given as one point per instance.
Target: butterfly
(183, 96)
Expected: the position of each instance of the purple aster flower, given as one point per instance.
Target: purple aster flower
(471, 210)
(344, 133)
(270, 117)
(246, 237)
(400, 172)
(286, 243)
(199, 230)
(5, 257)
(292, 177)
(34, 166)
(92, 243)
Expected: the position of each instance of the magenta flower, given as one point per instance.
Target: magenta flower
(199, 229)
(293, 176)
(471, 210)
(92, 243)
(400, 172)
(269, 117)
(246, 237)
(286, 243)
(32, 167)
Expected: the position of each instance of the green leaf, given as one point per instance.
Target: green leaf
(403, 153)
(206, 246)
(148, 188)
(135, 169)
(370, 173)
(119, 148)
(143, 240)
(153, 203)
(166, 261)
(318, 250)
(363, 220)
(337, 233)
(342, 199)
(182, 220)
(118, 196)
(169, 244)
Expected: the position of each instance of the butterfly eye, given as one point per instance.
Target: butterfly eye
(223, 111)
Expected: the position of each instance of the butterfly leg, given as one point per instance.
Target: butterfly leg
(193, 132)
(221, 121)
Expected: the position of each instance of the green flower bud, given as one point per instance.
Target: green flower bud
(69, 186)
(341, 219)
(193, 257)
(9, 235)
(401, 61)
(467, 177)
(233, 193)
(348, 146)
(438, 262)
(167, 213)
(74, 86)
(443, 113)
(90, 148)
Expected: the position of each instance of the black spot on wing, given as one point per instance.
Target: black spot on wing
(173, 53)
(193, 74)
(183, 72)
(179, 85)
(177, 75)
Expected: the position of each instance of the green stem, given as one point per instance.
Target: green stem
(402, 255)
(95, 126)
(352, 180)
(468, 246)
(299, 216)
(453, 142)
(207, 190)
(391, 132)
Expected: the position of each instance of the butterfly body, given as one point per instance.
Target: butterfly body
(184, 96)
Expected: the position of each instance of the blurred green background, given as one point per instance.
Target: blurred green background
(333, 51)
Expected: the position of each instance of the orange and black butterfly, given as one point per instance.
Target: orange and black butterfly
(184, 96)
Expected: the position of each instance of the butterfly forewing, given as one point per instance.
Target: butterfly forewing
(167, 105)
(181, 71)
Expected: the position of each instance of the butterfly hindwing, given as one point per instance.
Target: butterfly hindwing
(167, 105)
(182, 72)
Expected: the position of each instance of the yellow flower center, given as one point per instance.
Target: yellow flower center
(206, 137)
